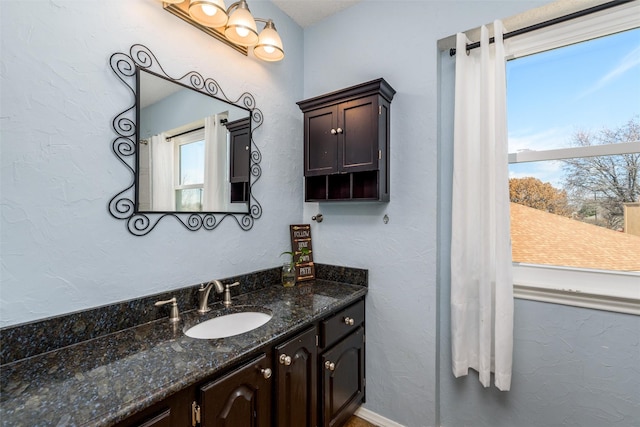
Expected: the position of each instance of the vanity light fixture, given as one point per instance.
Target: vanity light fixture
(210, 13)
(235, 26)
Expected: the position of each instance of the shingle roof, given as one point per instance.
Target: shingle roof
(538, 237)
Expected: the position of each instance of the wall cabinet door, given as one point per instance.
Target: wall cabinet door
(240, 153)
(342, 138)
(342, 379)
(296, 381)
(240, 142)
(321, 142)
(358, 135)
(240, 398)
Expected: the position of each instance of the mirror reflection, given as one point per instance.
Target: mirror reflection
(194, 150)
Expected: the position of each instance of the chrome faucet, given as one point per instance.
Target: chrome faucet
(203, 294)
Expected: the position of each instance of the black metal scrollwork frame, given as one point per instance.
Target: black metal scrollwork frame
(122, 206)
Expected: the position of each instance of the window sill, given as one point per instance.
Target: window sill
(601, 290)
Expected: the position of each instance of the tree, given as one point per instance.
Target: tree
(603, 184)
(536, 194)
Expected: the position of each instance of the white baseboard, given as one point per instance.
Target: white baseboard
(376, 419)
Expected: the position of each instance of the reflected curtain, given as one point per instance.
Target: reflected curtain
(163, 197)
(481, 266)
(217, 191)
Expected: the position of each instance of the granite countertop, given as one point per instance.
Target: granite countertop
(104, 380)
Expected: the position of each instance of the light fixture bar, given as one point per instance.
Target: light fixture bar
(181, 10)
(235, 26)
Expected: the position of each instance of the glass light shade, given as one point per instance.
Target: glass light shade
(269, 47)
(210, 13)
(173, 1)
(241, 27)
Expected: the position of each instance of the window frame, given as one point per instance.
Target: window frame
(599, 289)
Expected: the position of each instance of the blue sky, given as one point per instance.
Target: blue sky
(587, 86)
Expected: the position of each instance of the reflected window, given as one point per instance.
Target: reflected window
(189, 166)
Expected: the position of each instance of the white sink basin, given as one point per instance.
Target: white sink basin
(228, 325)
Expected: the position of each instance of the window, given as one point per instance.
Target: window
(189, 167)
(573, 99)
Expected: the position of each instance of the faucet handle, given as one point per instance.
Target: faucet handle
(226, 287)
(174, 315)
(227, 293)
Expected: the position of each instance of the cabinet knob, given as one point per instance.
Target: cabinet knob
(333, 131)
(330, 365)
(339, 130)
(348, 321)
(266, 373)
(285, 360)
(246, 148)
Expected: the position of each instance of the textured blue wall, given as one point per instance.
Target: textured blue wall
(61, 250)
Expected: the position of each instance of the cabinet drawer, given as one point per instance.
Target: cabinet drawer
(341, 324)
(161, 420)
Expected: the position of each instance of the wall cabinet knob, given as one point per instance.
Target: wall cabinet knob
(348, 321)
(333, 131)
(339, 130)
(330, 365)
(266, 373)
(285, 360)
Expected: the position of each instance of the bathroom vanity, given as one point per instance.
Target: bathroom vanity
(304, 367)
(315, 374)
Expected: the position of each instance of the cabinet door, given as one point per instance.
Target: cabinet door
(240, 398)
(240, 151)
(296, 386)
(358, 135)
(321, 142)
(343, 379)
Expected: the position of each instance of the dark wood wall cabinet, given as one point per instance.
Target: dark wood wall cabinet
(240, 143)
(346, 143)
(310, 378)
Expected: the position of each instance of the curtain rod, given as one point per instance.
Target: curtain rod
(550, 22)
(184, 133)
(223, 122)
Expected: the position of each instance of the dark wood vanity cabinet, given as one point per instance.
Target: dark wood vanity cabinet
(342, 364)
(296, 381)
(174, 411)
(161, 420)
(240, 398)
(312, 378)
(240, 150)
(346, 143)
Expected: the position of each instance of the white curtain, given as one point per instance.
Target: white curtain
(163, 197)
(217, 191)
(481, 269)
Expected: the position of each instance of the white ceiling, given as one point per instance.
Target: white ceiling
(307, 12)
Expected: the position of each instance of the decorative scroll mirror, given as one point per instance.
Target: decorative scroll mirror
(189, 148)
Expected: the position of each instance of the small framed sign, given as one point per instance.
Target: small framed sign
(302, 252)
